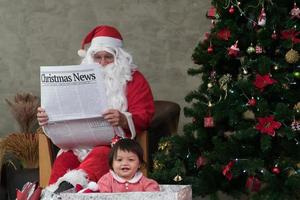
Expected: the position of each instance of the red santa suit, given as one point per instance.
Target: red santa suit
(80, 166)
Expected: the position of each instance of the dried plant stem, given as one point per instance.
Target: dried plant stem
(2, 152)
(23, 107)
(25, 147)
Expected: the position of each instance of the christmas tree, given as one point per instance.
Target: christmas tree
(243, 136)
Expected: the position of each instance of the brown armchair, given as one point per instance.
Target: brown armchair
(164, 123)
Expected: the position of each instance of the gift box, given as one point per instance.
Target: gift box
(167, 192)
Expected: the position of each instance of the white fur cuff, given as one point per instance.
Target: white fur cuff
(74, 177)
(130, 124)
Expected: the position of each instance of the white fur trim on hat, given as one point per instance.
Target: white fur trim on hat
(104, 41)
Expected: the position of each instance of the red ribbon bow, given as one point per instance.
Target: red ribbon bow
(290, 34)
(227, 170)
(267, 125)
(261, 81)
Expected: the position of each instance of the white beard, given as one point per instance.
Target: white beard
(116, 75)
(115, 84)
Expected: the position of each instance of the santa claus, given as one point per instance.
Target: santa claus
(130, 103)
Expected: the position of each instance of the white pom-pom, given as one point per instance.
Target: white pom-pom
(93, 186)
(81, 53)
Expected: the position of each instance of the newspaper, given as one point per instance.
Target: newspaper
(74, 99)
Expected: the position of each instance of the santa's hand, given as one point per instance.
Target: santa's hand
(42, 116)
(115, 118)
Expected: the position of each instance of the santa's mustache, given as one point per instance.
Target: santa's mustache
(107, 67)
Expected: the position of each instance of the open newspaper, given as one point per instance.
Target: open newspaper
(74, 99)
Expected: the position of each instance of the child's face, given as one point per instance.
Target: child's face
(126, 164)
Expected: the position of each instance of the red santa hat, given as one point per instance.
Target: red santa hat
(101, 36)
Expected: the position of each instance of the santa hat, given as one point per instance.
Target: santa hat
(101, 36)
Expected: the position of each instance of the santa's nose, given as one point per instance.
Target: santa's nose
(103, 62)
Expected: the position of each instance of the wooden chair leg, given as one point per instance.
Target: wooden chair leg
(45, 159)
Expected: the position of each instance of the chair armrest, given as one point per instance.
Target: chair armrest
(166, 117)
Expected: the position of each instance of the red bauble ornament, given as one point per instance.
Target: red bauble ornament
(253, 184)
(275, 170)
(231, 10)
(209, 122)
(252, 102)
(210, 50)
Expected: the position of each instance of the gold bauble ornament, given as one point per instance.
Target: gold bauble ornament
(177, 178)
(292, 56)
(157, 165)
(250, 50)
(249, 114)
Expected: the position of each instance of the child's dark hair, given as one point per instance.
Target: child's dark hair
(126, 144)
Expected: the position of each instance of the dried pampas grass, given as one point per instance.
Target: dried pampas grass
(23, 108)
(24, 146)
